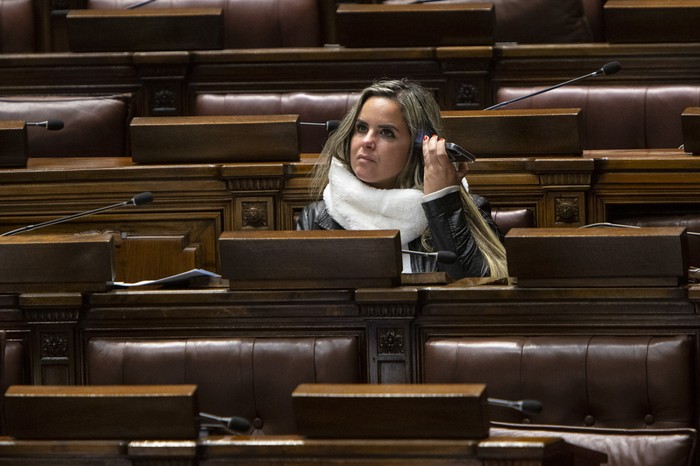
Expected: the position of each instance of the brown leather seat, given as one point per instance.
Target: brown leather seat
(93, 125)
(12, 366)
(248, 377)
(542, 21)
(618, 117)
(17, 27)
(313, 107)
(506, 219)
(631, 392)
(252, 23)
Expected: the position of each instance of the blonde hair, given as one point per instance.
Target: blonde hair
(422, 116)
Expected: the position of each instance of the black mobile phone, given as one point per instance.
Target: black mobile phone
(458, 153)
(455, 153)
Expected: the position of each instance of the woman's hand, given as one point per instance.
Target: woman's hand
(440, 172)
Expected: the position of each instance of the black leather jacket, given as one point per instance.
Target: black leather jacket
(449, 232)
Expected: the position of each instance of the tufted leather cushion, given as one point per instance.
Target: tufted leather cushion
(315, 107)
(540, 21)
(17, 26)
(635, 385)
(642, 382)
(252, 23)
(93, 126)
(618, 117)
(625, 447)
(249, 377)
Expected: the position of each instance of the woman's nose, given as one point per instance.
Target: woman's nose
(369, 140)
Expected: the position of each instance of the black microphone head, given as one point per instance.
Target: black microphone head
(611, 68)
(238, 424)
(54, 125)
(446, 257)
(531, 406)
(332, 125)
(142, 198)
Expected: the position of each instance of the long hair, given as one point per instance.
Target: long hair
(421, 113)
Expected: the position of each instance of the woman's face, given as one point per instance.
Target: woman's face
(381, 143)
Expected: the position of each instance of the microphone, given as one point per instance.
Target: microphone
(607, 69)
(330, 125)
(139, 199)
(233, 423)
(51, 125)
(524, 406)
(444, 257)
(139, 4)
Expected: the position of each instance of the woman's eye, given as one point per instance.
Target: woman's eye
(360, 128)
(387, 133)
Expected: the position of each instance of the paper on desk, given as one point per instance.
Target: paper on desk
(171, 279)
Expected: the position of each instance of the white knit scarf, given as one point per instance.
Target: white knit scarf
(358, 206)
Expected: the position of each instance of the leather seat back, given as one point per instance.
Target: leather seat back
(633, 382)
(248, 377)
(628, 396)
(252, 23)
(506, 219)
(618, 117)
(93, 126)
(17, 26)
(313, 107)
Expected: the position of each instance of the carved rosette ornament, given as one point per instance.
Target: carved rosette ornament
(54, 345)
(163, 100)
(254, 214)
(467, 95)
(390, 341)
(566, 210)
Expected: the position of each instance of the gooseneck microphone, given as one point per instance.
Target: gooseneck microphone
(607, 69)
(51, 125)
(139, 4)
(139, 199)
(524, 406)
(329, 125)
(444, 257)
(233, 423)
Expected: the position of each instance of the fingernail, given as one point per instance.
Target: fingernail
(425, 138)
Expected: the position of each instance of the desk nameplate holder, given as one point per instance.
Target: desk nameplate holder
(13, 144)
(597, 257)
(518, 133)
(56, 262)
(415, 25)
(310, 259)
(212, 139)
(144, 29)
(435, 411)
(121, 412)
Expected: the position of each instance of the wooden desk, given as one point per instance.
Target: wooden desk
(194, 203)
(297, 450)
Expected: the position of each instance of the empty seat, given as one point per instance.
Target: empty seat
(248, 377)
(252, 23)
(313, 107)
(92, 125)
(628, 396)
(618, 117)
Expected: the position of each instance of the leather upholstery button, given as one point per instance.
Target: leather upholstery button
(648, 419)
(526, 420)
(257, 423)
(589, 420)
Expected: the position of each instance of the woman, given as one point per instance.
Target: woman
(386, 167)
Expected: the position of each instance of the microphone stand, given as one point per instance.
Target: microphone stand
(139, 199)
(609, 68)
